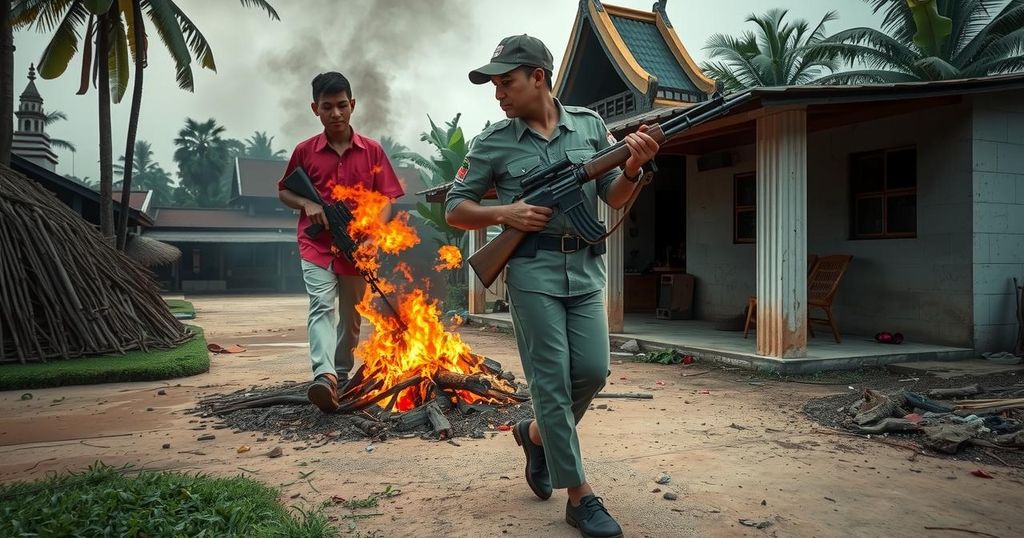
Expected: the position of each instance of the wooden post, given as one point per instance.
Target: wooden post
(614, 268)
(477, 291)
(782, 233)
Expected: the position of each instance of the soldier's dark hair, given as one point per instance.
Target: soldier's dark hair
(528, 70)
(330, 83)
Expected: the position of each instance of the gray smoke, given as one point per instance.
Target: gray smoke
(374, 44)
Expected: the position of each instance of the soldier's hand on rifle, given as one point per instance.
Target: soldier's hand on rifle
(642, 148)
(526, 217)
(315, 213)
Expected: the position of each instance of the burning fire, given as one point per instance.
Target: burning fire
(450, 257)
(391, 355)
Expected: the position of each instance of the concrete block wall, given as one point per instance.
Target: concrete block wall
(998, 216)
(725, 272)
(921, 287)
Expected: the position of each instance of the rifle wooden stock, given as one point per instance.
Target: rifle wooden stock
(490, 259)
(617, 157)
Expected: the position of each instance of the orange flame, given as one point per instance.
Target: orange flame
(390, 354)
(449, 256)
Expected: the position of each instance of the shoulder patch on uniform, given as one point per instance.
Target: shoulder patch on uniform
(460, 176)
(610, 137)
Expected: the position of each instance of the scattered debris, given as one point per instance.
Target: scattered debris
(637, 395)
(663, 479)
(276, 452)
(737, 426)
(26, 396)
(957, 529)
(981, 473)
(764, 524)
(217, 348)
(161, 392)
(166, 446)
(669, 496)
(243, 449)
(207, 437)
(632, 346)
(987, 413)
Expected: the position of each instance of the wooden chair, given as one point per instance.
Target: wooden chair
(822, 285)
(824, 275)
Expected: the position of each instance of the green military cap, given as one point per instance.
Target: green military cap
(512, 52)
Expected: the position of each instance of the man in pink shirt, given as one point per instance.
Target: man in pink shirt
(336, 156)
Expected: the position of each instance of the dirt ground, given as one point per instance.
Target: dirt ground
(734, 450)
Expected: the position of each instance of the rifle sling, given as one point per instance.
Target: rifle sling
(641, 183)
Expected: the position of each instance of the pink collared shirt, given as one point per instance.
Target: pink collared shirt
(363, 163)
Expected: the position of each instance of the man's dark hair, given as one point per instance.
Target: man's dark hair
(330, 83)
(528, 70)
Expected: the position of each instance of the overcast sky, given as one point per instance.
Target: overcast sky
(406, 59)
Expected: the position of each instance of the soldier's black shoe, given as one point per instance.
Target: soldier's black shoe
(537, 476)
(592, 519)
(323, 393)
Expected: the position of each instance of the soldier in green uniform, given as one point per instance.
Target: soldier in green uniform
(555, 280)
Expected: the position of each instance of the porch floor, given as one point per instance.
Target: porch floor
(703, 341)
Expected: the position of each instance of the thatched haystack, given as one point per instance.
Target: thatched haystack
(64, 291)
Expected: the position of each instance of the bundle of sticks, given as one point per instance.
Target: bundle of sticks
(66, 292)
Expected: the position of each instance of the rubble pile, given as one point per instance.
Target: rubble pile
(947, 419)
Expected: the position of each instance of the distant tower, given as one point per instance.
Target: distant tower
(30, 138)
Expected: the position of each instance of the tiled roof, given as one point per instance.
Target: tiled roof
(648, 46)
(136, 199)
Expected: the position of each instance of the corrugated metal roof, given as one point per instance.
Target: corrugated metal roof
(221, 236)
(648, 46)
(259, 177)
(189, 217)
(860, 93)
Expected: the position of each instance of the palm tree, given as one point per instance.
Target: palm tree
(436, 171)
(203, 158)
(6, 83)
(260, 146)
(149, 175)
(774, 55)
(50, 119)
(117, 27)
(931, 40)
(392, 147)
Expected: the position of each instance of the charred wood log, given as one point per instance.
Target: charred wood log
(371, 428)
(442, 429)
(957, 392)
(478, 385)
(366, 401)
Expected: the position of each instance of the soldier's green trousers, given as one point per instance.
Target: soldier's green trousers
(563, 343)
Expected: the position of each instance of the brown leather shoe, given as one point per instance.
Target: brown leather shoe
(323, 393)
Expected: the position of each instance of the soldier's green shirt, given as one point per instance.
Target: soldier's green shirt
(503, 155)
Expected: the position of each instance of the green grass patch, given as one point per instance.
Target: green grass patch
(180, 306)
(190, 358)
(109, 501)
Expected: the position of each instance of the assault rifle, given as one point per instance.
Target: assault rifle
(338, 219)
(559, 186)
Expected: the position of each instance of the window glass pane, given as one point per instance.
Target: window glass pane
(867, 172)
(901, 169)
(902, 214)
(746, 225)
(868, 216)
(746, 190)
